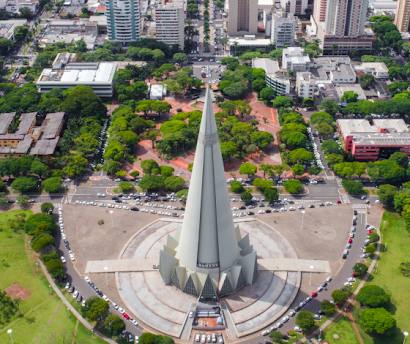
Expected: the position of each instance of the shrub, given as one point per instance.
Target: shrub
(55, 268)
(236, 186)
(360, 268)
(126, 186)
(47, 207)
(305, 320)
(47, 257)
(404, 268)
(40, 242)
(377, 321)
(327, 307)
(31, 224)
(339, 296)
(276, 336)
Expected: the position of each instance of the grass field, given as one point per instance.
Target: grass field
(49, 320)
(344, 328)
(390, 279)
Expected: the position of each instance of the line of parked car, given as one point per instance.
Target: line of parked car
(301, 304)
(64, 237)
(315, 151)
(100, 150)
(209, 338)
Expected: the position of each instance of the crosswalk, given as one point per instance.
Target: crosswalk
(359, 206)
(57, 205)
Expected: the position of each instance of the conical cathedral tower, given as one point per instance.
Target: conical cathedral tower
(208, 257)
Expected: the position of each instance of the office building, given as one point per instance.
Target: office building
(319, 11)
(123, 21)
(343, 74)
(274, 77)
(305, 85)
(170, 22)
(283, 29)
(7, 27)
(242, 18)
(208, 257)
(402, 15)
(376, 140)
(13, 6)
(67, 73)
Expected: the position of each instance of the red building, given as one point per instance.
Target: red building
(376, 140)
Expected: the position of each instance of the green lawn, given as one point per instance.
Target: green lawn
(389, 278)
(344, 328)
(50, 319)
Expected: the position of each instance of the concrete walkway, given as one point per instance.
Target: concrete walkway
(70, 306)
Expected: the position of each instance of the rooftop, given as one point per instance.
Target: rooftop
(331, 59)
(388, 139)
(5, 121)
(26, 120)
(45, 147)
(250, 42)
(328, 91)
(268, 65)
(366, 130)
(7, 27)
(51, 124)
(285, 18)
(319, 73)
(344, 70)
(342, 88)
(378, 66)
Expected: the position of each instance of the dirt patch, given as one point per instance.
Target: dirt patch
(16, 290)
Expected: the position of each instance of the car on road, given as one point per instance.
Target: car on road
(292, 313)
(339, 202)
(365, 255)
(351, 235)
(314, 294)
(279, 324)
(351, 279)
(283, 209)
(251, 213)
(130, 337)
(63, 260)
(203, 339)
(329, 278)
(321, 204)
(344, 256)
(292, 208)
(100, 195)
(125, 315)
(67, 285)
(75, 294)
(363, 197)
(197, 337)
(301, 207)
(285, 319)
(350, 241)
(328, 203)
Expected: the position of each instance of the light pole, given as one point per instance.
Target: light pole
(112, 219)
(10, 330)
(376, 268)
(320, 334)
(106, 278)
(344, 314)
(49, 286)
(92, 333)
(68, 310)
(405, 336)
(385, 246)
(303, 213)
(310, 279)
(29, 245)
(37, 266)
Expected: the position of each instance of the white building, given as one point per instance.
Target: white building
(356, 88)
(123, 21)
(156, 92)
(7, 27)
(67, 73)
(244, 44)
(378, 69)
(274, 77)
(170, 22)
(329, 63)
(343, 74)
(283, 29)
(242, 17)
(13, 6)
(305, 84)
(295, 6)
(295, 58)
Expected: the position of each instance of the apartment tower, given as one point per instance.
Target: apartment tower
(169, 20)
(243, 18)
(402, 15)
(123, 21)
(319, 11)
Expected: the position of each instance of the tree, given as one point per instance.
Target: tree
(271, 195)
(328, 307)
(308, 102)
(114, 324)
(370, 249)
(305, 320)
(297, 140)
(297, 170)
(258, 85)
(126, 186)
(367, 81)
(372, 296)
(23, 183)
(151, 182)
(276, 336)
(77, 164)
(351, 186)
(246, 196)
(360, 268)
(166, 171)
(330, 146)
(293, 186)
(147, 338)
(47, 207)
(150, 166)
(339, 296)
(97, 309)
(267, 94)
(282, 101)
(235, 90)
(397, 87)
(377, 321)
(38, 168)
(324, 129)
(180, 58)
(111, 166)
(22, 200)
(55, 268)
(386, 194)
(263, 184)
(401, 158)
(228, 149)
(248, 169)
(25, 13)
(373, 237)
(174, 183)
(329, 106)
(52, 184)
(237, 187)
(134, 174)
(261, 138)
(349, 97)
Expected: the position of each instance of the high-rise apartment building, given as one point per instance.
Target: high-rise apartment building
(283, 29)
(346, 18)
(123, 21)
(243, 18)
(295, 6)
(169, 20)
(402, 15)
(319, 11)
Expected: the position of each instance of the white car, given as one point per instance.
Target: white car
(153, 211)
(118, 206)
(135, 323)
(87, 279)
(105, 298)
(63, 259)
(235, 215)
(351, 279)
(144, 210)
(235, 208)
(292, 208)
(72, 256)
(120, 310)
(328, 279)
(109, 205)
(75, 294)
(126, 208)
(347, 284)
(100, 195)
(101, 204)
(261, 211)
(328, 203)
(285, 319)
(64, 236)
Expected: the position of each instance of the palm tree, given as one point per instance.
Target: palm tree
(236, 45)
(291, 74)
(334, 48)
(271, 47)
(302, 41)
(17, 302)
(317, 41)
